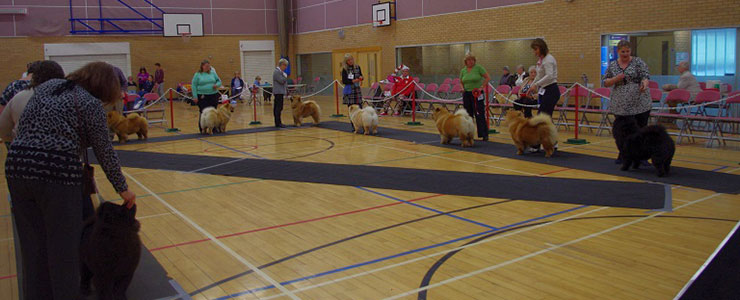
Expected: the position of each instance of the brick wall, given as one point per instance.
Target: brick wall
(180, 60)
(572, 29)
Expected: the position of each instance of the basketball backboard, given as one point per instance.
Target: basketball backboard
(179, 24)
(382, 14)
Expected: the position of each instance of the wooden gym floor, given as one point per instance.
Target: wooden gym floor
(342, 242)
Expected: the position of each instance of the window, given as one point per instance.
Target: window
(713, 52)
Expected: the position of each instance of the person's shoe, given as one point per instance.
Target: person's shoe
(397, 113)
(280, 126)
(385, 113)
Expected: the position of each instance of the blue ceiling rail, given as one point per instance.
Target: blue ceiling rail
(102, 25)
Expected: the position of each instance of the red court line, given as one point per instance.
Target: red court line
(556, 171)
(295, 223)
(8, 277)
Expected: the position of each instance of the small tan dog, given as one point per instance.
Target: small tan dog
(459, 124)
(304, 110)
(365, 118)
(213, 119)
(528, 132)
(123, 126)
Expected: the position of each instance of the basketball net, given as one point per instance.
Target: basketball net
(186, 37)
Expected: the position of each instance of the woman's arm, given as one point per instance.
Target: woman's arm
(486, 81)
(345, 78)
(194, 86)
(6, 124)
(218, 80)
(96, 129)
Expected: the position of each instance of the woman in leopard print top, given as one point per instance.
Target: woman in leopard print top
(44, 175)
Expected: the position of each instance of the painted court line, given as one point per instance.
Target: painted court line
(551, 248)
(154, 216)
(357, 265)
(427, 208)
(216, 241)
(294, 223)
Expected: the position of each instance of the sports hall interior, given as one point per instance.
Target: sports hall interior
(320, 212)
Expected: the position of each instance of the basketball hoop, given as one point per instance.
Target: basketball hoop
(186, 36)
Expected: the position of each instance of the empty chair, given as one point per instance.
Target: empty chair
(656, 95)
(150, 97)
(602, 92)
(729, 88)
(515, 90)
(653, 85)
(431, 88)
(562, 89)
(456, 81)
(678, 96)
(504, 89)
(703, 85)
(457, 88)
(417, 79)
(447, 81)
(443, 90)
(705, 97)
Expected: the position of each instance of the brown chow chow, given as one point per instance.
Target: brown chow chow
(110, 251)
(450, 125)
(304, 110)
(223, 114)
(530, 132)
(123, 126)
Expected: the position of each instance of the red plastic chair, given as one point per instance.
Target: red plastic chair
(653, 85)
(431, 88)
(705, 97)
(515, 90)
(419, 87)
(456, 81)
(447, 81)
(443, 90)
(656, 94)
(150, 97)
(703, 85)
(504, 89)
(417, 79)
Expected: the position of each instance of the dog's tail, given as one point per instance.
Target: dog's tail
(369, 116)
(546, 120)
(467, 124)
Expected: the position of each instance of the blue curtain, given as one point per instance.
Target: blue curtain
(713, 52)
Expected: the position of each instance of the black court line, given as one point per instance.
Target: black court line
(720, 279)
(422, 295)
(708, 180)
(534, 188)
(304, 252)
(188, 136)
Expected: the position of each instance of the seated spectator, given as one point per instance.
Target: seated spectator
(687, 81)
(45, 70)
(237, 85)
(131, 83)
(403, 87)
(527, 96)
(146, 86)
(520, 75)
(507, 78)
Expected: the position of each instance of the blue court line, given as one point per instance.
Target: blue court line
(720, 168)
(428, 208)
(399, 254)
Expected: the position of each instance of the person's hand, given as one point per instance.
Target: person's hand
(129, 198)
(619, 77)
(215, 86)
(645, 85)
(533, 89)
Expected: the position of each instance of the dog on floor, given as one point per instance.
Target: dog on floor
(208, 120)
(223, 113)
(110, 251)
(637, 144)
(459, 124)
(530, 132)
(365, 118)
(304, 109)
(123, 126)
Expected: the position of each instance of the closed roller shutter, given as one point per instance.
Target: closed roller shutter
(256, 63)
(71, 63)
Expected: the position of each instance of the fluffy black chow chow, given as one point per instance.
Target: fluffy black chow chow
(636, 144)
(110, 251)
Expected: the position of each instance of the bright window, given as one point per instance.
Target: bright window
(713, 52)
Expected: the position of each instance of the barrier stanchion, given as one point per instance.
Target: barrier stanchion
(172, 116)
(488, 112)
(413, 110)
(576, 140)
(336, 100)
(255, 121)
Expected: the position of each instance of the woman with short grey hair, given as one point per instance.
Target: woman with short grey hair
(279, 80)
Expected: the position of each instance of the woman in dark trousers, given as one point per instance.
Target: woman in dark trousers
(629, 78)
(279, 80)
(205, 88)
(44, 175)
(474, 77)
(546, 82)
(352, 79)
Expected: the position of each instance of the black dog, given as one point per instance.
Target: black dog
(636, 144)
(110, 251)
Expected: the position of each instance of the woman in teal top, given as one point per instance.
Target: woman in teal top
(473, 77)
(205, 88)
